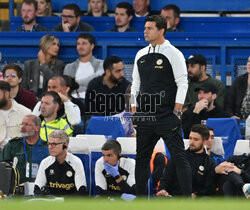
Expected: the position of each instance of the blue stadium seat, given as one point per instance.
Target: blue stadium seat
(228, 130)
(109, 126)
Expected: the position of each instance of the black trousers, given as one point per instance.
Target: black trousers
(147, 137)
(233, 184)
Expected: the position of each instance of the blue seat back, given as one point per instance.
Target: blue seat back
(228, 130)
(108, 126)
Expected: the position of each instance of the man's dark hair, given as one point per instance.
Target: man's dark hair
(202, 130)
(73, 7)
(87, 36)
(71, 83)
(173, 7)
(109, 61)
(125, 5)
(15, 67)
(4, 86)
(112, 145)
(30, 2)
(56, 100)
(160, 22)
(210, 129)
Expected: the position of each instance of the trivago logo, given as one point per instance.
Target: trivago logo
(62, 186)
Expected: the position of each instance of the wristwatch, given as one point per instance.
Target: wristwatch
(178, 113)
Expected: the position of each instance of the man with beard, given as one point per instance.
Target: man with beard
(71, 20)
(124, 13)
(11, 115)
(86, 67)
(29, 12)
(205, 108)
(202, 166)
(29, 149)
(105, 94)
(197, 75)
(52, 111)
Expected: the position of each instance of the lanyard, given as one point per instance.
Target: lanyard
(46, 134)
(25, 150)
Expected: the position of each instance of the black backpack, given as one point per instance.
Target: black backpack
(9, 178)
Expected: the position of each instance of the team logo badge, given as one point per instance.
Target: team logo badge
(51, 172)
(159, 61)
(201, 168)
(69, 174)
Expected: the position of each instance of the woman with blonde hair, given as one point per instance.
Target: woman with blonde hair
(97, 8)
(44, 8)
(37, 72)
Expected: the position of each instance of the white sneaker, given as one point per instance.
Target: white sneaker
(246, 190)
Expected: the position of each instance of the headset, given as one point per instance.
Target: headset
(64, 146)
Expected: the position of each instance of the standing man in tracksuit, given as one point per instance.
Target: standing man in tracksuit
(160, 85)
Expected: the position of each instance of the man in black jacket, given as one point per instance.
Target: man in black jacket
(203, 168)
(71, 20)
(205, 108)
(236, 180)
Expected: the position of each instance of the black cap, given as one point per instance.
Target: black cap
(197, 58)
(206, 88)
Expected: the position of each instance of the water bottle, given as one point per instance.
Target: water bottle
(247, 130)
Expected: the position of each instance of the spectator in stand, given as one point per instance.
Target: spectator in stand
(11, 115)
(13, 74)
(28, 148)
(124, 13)
(71, 20)
(206, 107)
(44, 8)
(52, 112)
(172, 15)
(37, 72)
(141, 8)
(73, 86)
(197, 76)
(70, 110)
(97, 8)
(105, 94)
(238, 98)
(29, 13)
(86, 67)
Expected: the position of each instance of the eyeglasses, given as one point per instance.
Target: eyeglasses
(53, 145)
(68, 16)
(10, 75)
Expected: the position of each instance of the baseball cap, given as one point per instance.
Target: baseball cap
(206, 88)
(197, 58)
